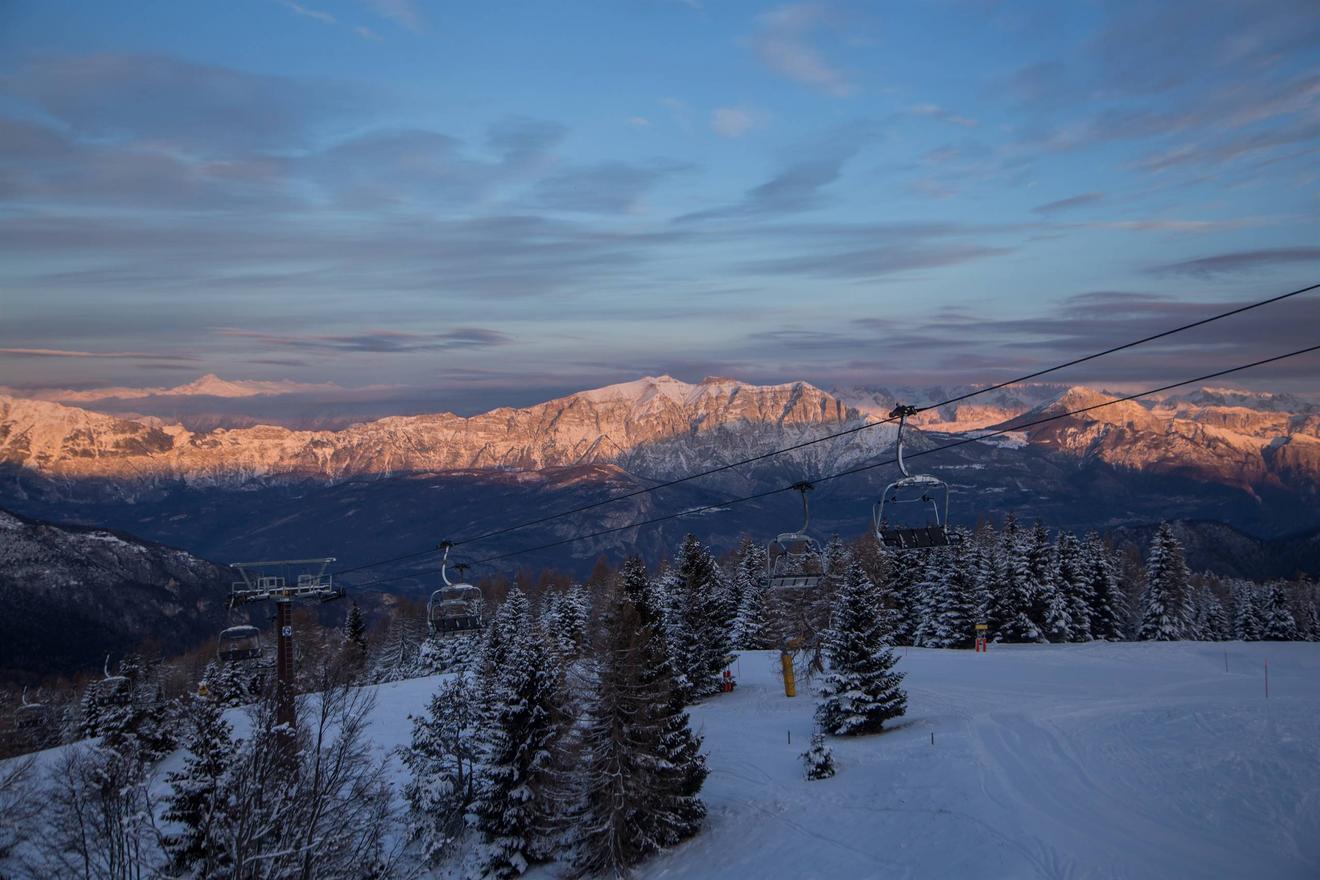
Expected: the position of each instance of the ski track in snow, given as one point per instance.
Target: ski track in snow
(1072, 762)
(1061, 762)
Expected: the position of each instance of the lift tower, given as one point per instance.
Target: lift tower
(284, 581)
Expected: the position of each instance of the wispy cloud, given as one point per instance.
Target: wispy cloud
(404, 12)
(602, 188)
(1239, 261)
(109, 355)
(1077, 201)
(308, 12)
(733, 122)
(377, 341)
(783, 42)
(934, 111)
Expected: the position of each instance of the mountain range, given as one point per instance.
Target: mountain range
(397, 483)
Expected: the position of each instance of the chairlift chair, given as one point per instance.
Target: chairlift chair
(894, 526)
(239, 643)
(30, 716)
(113, 688)
(794, 560)
(454, 609)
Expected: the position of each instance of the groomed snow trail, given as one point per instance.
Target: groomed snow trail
(1132, 760)
(1057, 761)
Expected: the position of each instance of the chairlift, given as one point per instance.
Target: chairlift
(794, 560)
(913, 512)
(454, 609)
(30, 716)
(112, 688)
(239, 643)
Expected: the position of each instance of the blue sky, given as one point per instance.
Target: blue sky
(498, 201)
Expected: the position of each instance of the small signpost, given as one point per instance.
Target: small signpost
(982, 646)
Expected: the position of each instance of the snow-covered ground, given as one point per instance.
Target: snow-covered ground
(1059, 761)
(1054, 761)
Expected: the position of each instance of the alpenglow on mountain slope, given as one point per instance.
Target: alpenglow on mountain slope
(607, 425)
(661, 427)
(390, 486)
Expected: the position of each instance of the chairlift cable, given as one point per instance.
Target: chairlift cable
(729, 502)
(858, 428)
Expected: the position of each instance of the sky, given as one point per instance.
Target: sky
(489, 203)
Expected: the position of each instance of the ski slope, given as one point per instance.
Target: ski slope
(1132, 760)
(1053, 761)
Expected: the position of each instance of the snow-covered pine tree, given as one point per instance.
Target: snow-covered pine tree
(196, 804)
(1058, 616)
(951, 605)
(398, 647)
(1073, 582)
(1013, 590)
(519, 795)
(928, 589)
(638, 795)
(1165, 615)
(568, 624)
(1109, 611)
(1215, 623)
(905, 572)
(498, 638)
(861, 690)
(981, 559)
(1049, 611)
(680, 766)
(838, 556)
(1280, 625)
(1312, 614)
(355, 635)
(130, 712)
(442, 762)
(752, 626)
(698, 637)
(1247, 623)
(819, 759)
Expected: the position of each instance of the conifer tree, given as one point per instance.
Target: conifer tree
(903, 591)
(752, 625)
(1075, 585)
(861, 690)
(398, 647)
(1313, 616)
(1280, 625)
(642, 770)
(1247, 622)
(442, 761)
(1164, 600)
(1058, 616)
(518, 797)
(1050, 615)
(699, 637)
(819, 759)
(1216, 627)
(197, 804)
(951, 607)
(497, 641)
(1013, 590)
(1107, 604)
(355, 635)
(680, 766)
